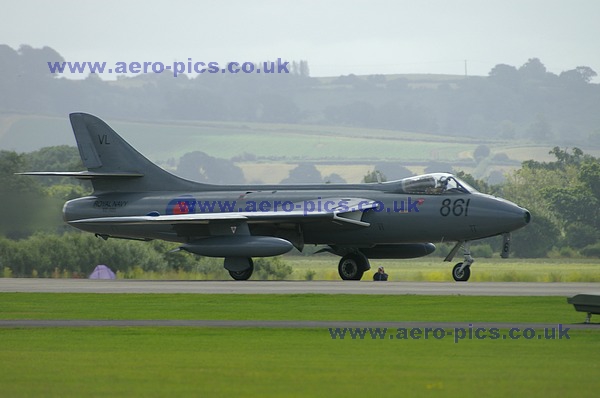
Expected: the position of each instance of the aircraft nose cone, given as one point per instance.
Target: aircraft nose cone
(517, 216)
(509, 215)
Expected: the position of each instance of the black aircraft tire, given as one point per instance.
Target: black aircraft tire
(243, 275)
(461, 276)
(352, 267)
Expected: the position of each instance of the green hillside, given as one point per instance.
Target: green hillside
(332, 148)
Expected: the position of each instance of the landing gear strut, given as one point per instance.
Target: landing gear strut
(352, 266)
(461, 271)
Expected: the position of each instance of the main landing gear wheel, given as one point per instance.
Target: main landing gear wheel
(461, 275)
(353, 266)
(243, 275)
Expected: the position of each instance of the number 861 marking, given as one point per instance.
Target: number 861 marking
(458, 208)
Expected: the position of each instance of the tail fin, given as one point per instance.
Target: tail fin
(114, 165)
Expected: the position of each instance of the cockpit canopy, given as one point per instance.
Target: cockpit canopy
(434, 184)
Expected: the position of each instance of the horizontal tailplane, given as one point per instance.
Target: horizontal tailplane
(115, 166)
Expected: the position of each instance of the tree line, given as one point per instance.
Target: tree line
(513, 102)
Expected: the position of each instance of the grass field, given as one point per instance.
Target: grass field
(483, 270)
(434, 269)
(266, 140)
(287, 307)
(153, 361)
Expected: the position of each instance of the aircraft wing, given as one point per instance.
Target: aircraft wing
(350, 212)
(81, 175)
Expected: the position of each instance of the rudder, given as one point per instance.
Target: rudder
(114, 165)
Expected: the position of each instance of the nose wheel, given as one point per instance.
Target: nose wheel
(461, 271)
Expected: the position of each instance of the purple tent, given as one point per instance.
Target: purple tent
(102, 272)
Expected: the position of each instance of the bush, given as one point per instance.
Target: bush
(310, 275)
(211, 268)
(567, 252)
(442, 249)
(591, 250)
(271, 268)
(580, 235)
(49, 256)
(536, 239)
(482, 250)
(76, 253)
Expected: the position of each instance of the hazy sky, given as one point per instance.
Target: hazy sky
(335, 37)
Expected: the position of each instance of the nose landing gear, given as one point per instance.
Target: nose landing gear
(461, 271)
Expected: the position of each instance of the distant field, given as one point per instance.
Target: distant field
(273, 144)
(225, 140)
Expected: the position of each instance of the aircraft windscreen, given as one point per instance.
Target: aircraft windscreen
(435, 184)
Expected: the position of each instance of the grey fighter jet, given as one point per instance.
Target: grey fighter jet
(135, 199)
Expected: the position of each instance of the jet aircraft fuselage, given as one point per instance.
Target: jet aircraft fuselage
(135, 199)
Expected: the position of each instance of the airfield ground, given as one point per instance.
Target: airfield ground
(323, 267)
(297, 359)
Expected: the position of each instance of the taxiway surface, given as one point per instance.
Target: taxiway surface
(28, 285)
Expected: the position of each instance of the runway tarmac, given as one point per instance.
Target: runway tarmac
(30, 285)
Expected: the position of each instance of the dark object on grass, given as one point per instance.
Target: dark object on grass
(589, 303)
